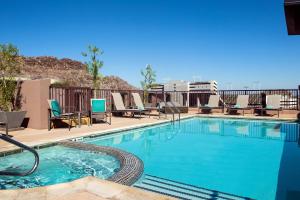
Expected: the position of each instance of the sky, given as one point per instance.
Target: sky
(237, 43)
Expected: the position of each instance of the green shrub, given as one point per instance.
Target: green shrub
(10, 67)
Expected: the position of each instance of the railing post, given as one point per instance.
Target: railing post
(298, 98)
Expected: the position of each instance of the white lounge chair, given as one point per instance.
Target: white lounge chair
(120, 107)
(213, 103)
(242, 103)
(273, 104)
(139, 104)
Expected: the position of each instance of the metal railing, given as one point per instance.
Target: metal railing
(72, 99)
(79, 97)
(289, 97)
(177, 110)
(23, 146)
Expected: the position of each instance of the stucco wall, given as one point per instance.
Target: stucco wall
(35, 94)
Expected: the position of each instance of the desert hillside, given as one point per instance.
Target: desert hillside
(67, 71)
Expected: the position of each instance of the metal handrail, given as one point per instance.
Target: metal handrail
(177, 110)
(23, 146)
(173, 113)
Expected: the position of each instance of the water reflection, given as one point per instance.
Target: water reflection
(206, 150)
(241, 128)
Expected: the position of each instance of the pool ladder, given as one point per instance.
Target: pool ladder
(23, 146)
(174, 110)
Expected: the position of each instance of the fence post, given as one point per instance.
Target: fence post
(298, 98)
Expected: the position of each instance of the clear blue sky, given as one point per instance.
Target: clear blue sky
(230, 41)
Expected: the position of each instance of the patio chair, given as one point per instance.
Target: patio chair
(139, 104)
(98, 110)
(242, 103)
(273, 104)
(55, 112)
(213, 103)
(120, 107)
(170, 107)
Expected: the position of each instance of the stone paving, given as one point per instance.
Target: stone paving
(88, 188)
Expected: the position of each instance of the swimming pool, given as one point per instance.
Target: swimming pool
(58, 164)
(251, 158)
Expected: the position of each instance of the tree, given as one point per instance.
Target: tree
(149, 76)
(94, 65)
(9, 68)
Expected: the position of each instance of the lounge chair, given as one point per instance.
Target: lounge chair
(55, 112)
(213, 103)
(120, 108)
(139, 104)
(98, 110)
(242, 103)
(273, 104)
(170, 107)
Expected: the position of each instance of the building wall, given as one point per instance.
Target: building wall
(211, 86)
(35, 94)
(176, 86)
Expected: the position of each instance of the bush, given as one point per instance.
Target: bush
(10, 67)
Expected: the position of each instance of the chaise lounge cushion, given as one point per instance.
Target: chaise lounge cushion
(98, 105)
(55, 107)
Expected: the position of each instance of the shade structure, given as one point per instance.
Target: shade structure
(292, 16)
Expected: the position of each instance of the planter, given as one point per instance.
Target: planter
(14, 119)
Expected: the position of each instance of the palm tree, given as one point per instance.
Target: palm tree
(94, 65)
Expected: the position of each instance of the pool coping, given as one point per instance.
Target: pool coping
(131, 167)
(85, 188)
(133, 127)
(88, 135)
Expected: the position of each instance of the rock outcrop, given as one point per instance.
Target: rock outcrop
(68, 72)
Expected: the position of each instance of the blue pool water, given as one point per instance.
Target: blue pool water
(57, 165)
(256, 159)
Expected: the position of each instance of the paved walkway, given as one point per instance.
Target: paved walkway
(88, 188)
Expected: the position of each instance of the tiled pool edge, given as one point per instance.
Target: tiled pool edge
(164, 121)
(89, 135)
(131, 167)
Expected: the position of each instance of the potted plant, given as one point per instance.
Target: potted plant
(10, 103)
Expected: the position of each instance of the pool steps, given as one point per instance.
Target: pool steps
(181, 190)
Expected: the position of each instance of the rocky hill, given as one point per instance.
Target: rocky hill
(66, 72)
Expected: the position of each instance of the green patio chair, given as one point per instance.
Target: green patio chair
(55, 112)
(99, 111)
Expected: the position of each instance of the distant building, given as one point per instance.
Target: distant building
(176, 85)
(209, 86)
(179, 90)
(186, 86)
(157, 88)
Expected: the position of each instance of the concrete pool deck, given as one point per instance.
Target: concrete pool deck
(92, 187)
(88, 188)
(34, 137)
